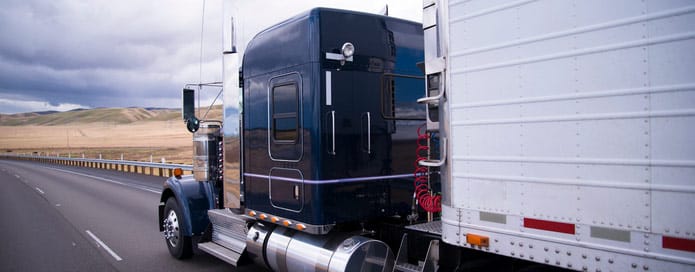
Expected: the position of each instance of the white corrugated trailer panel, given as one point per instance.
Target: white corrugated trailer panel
(576, 112)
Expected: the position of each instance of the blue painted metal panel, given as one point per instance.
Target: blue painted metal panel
(343, 187)
(195, 199)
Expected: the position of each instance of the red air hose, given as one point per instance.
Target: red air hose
(429, 202)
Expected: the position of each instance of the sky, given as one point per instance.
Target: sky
(67, 54)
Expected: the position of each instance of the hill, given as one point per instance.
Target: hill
(99, 115)
(109, 133)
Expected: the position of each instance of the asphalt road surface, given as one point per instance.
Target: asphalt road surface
(61, 218)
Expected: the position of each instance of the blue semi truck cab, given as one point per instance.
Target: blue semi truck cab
(313, 165)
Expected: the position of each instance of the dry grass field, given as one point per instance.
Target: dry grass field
(136, 133)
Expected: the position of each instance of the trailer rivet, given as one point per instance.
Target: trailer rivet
(583, 256)
(634, 265)
(610, 260)
(645, 267)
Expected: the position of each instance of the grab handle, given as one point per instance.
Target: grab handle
(333, 133)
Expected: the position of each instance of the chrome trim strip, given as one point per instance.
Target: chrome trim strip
(336, 56)
(329, 89)
(328, 181)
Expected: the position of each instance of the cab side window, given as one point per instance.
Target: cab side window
(285, 108)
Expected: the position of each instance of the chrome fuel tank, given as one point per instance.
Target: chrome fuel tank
(282, 249)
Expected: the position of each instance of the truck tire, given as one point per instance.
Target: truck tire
(179, 245)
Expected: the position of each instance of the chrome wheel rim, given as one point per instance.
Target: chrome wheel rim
(171, 228)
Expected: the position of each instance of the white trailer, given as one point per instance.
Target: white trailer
(567, 129)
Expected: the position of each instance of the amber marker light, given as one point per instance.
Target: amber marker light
(301, 227)
(478, 240)
(262, 216)
(286, 223)
(274, 219)
(178, 172)
(252, 213)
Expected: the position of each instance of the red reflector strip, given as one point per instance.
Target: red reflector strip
(678, 243)
(549, 225)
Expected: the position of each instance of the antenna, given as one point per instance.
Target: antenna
(200, 65)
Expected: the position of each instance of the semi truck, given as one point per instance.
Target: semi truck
(492, 136)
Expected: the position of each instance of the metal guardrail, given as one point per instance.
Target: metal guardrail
(160, 169)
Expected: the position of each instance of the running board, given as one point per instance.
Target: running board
(220, 252)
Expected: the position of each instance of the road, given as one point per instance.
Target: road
(61, 218)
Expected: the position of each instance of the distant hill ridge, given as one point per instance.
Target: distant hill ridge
(98, 115)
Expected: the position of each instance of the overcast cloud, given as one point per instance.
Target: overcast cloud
(66, 54)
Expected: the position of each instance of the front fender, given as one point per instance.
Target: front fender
(194, 198)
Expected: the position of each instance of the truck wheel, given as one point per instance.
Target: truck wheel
(179, 245)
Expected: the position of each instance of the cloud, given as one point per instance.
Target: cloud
(103, 53)
(14, 106)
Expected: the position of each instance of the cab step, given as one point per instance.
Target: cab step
(430, 264)
(221, 252)
(228, 235)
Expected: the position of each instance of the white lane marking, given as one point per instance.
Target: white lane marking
(103, 245)
(40, 191)
(17, 176)
(57, 205)
(108, 180)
